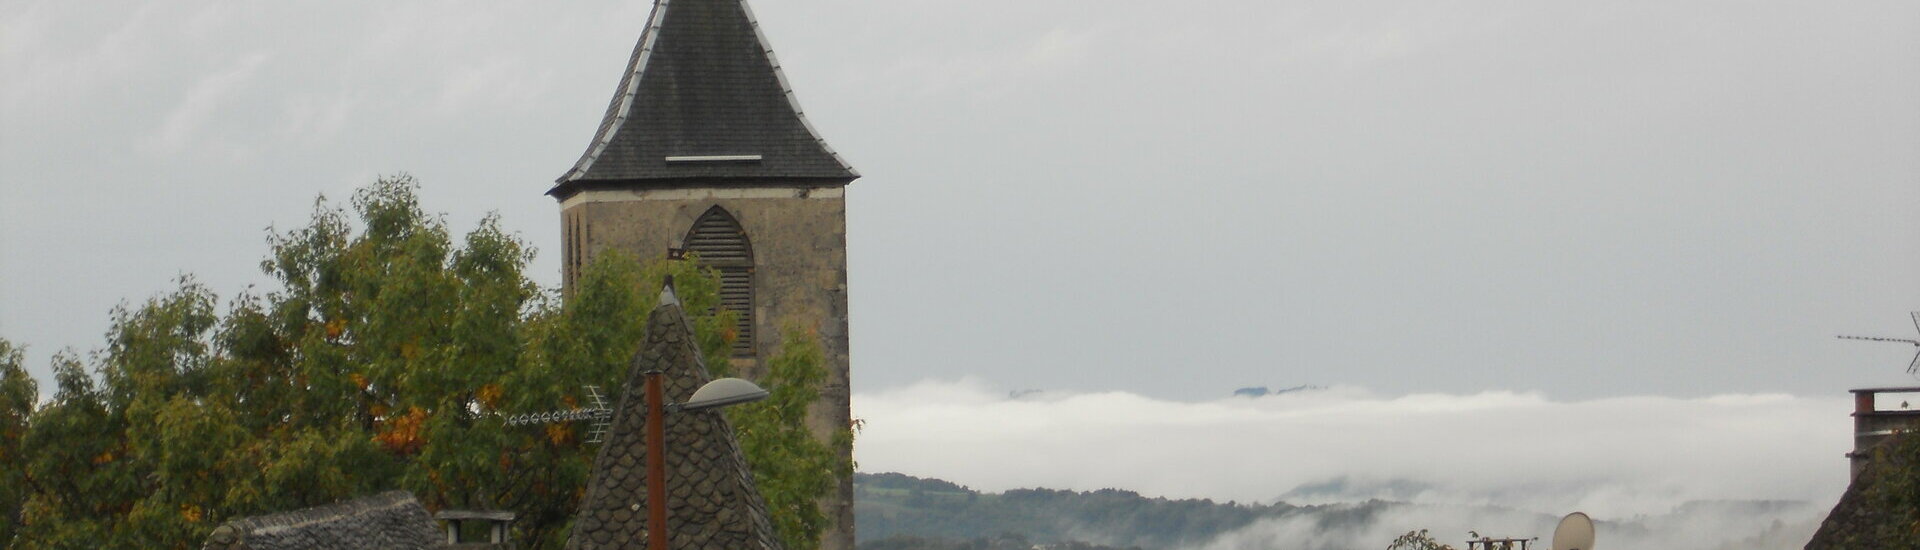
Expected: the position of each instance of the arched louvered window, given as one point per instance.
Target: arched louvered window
(720, 243)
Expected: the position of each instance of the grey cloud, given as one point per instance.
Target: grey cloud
(1582, 199)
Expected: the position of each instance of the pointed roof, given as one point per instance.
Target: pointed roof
(703, 102)
(711, 500)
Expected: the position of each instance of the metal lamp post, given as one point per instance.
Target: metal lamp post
(715, 394)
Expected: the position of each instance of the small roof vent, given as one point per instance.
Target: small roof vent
(715, 158)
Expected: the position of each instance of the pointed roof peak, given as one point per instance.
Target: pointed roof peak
(704, 101)
(712, 502)
(667, 297)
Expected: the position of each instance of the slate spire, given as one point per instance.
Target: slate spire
(712, 503)
(703, 102)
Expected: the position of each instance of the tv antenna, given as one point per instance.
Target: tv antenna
(599, 413)
(1913, 367)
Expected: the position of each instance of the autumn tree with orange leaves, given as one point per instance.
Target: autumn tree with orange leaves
(385, 356)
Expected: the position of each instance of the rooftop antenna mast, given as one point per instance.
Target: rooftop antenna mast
(1913, 367)
(599, 414)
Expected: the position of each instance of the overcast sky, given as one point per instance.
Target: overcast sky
(1581, 199)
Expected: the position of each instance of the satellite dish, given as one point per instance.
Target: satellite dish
(1574, 533)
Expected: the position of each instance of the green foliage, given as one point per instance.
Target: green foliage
(18, 392)
(75, 460)
(1417, 540)
(386, 357)
(791, 467)
(895, 505)
(1890, 497)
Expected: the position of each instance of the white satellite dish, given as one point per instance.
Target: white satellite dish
(1574, 533)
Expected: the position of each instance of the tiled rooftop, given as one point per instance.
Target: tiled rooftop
(703, 88)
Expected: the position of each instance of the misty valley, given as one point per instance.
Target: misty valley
(903, 512)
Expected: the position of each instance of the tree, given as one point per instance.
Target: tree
(790, 466)
(386, 356)
(73, 460)
(1417, 540)
(18, 394)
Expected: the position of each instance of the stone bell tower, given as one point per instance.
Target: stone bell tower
(704, 148)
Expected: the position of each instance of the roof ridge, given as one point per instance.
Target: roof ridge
(330, 512)
(793, 100)
(622, 103)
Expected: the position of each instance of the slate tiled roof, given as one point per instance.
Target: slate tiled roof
(711, 500)
(1863, 519)
(390, 521)
(703, 83)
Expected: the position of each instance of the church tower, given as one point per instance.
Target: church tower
(703, 148)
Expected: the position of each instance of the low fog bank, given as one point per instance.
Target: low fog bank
(1702, 526)
(1457, 458)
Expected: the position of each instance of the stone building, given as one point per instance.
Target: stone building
(704, 149)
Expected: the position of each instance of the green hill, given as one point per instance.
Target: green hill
(902, 512)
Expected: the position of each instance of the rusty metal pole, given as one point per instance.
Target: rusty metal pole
(656, 464)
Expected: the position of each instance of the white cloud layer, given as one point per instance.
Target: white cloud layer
(1614, 458)
(1695, 527)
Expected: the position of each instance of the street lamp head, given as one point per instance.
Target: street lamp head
(723, 392)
